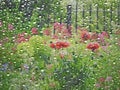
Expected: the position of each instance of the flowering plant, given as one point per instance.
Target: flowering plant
(59, 44)
(85, 35)
(93, 46)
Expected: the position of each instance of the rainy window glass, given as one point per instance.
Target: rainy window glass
(59, 45)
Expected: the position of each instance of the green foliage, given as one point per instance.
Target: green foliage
(25, 48)
(35, 14)
(41, 50)
(36, 41)
(36, 48)
(36, 66)
(70, 76)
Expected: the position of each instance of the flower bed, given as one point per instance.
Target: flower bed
(59, 61)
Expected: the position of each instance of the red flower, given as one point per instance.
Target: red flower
(85, 35)
(59, 45)
(52, 45)
(101, 79)
(34, 31)
(65, 44)
(93, 46)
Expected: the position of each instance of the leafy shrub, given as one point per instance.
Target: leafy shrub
(41, 50)
(25, 48)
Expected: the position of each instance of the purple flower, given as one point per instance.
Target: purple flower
(105, 47)
(101, 37)
(4, 67)
(109, 78)
(26, 67)
(105, 34)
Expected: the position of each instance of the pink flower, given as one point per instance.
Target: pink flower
(101, 36)
(105, 47)
(101, 39)
(54, 37)
(1, 42)
(34, 31)
(105, 34)
(46, 32)
(22, 39)
(66, 33)
(0, 23)
(21, 35)
(58, 26)
(10, 27)
(97, 85)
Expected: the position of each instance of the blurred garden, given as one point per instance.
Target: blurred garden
(59, 45)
